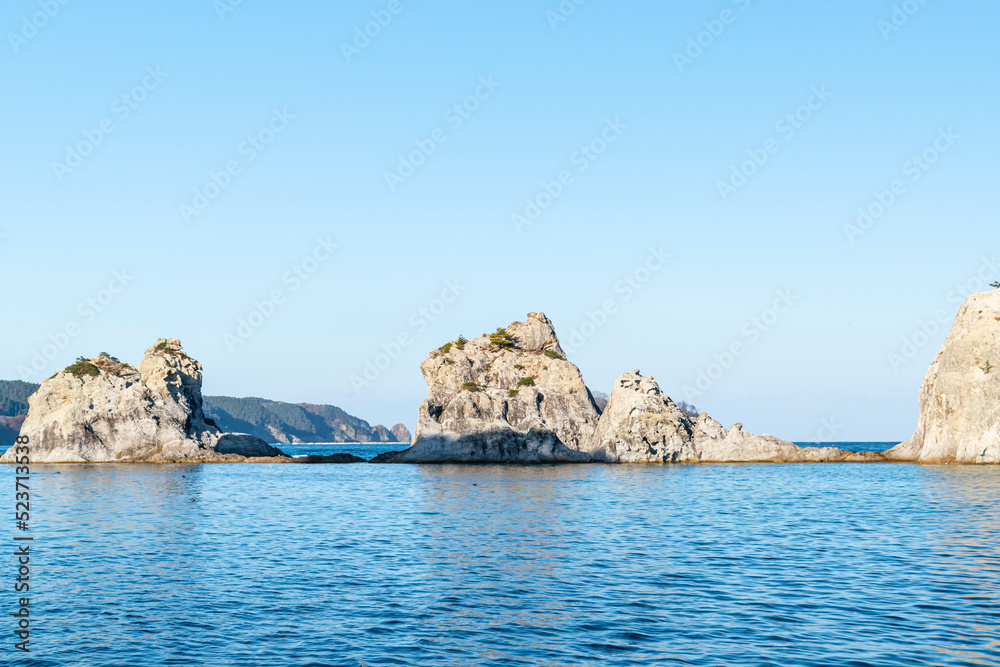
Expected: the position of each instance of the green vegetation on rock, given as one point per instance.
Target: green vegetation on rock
(83, 367)
(501, 339)
(163, 347)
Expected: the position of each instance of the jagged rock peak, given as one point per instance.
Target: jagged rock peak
(506, 396)
(959, 419)
(642, 424)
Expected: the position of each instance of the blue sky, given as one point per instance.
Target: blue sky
(228, 148)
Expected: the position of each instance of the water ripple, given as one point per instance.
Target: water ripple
(794, 564)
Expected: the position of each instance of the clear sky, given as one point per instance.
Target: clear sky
(508, 157)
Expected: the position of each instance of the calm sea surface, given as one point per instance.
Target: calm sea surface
(271, 564)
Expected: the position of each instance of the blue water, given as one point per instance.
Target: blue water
(278, 564)
(364, 450)
(853, 446)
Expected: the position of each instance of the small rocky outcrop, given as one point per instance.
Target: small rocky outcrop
(959, 419)
(401, 433)
(642, 424)
(103, 410)
(506, 397)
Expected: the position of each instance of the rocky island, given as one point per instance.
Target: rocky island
(103, 410)
(506, 397)
(641, 424)
(513, 397)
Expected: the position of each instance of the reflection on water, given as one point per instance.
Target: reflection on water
(792, 564)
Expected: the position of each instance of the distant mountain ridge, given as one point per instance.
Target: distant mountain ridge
(272, 421)
(290, 423)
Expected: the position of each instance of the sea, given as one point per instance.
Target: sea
(550, 565)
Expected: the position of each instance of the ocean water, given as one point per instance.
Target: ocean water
(369, 450)
(272, 564)
(364, 450)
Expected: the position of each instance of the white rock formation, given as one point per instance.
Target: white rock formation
(103, 410)
(504, 397)
(959, 419)
(641, 424)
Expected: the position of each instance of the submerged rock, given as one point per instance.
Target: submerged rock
(642, 424)
(103, 410)
(959, 420)
(510, 397)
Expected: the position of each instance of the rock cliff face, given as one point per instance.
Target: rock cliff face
(510, 396)
(100, 410)
(641, 424)
(959, 419)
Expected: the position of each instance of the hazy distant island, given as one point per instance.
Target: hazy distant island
(506, 397)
